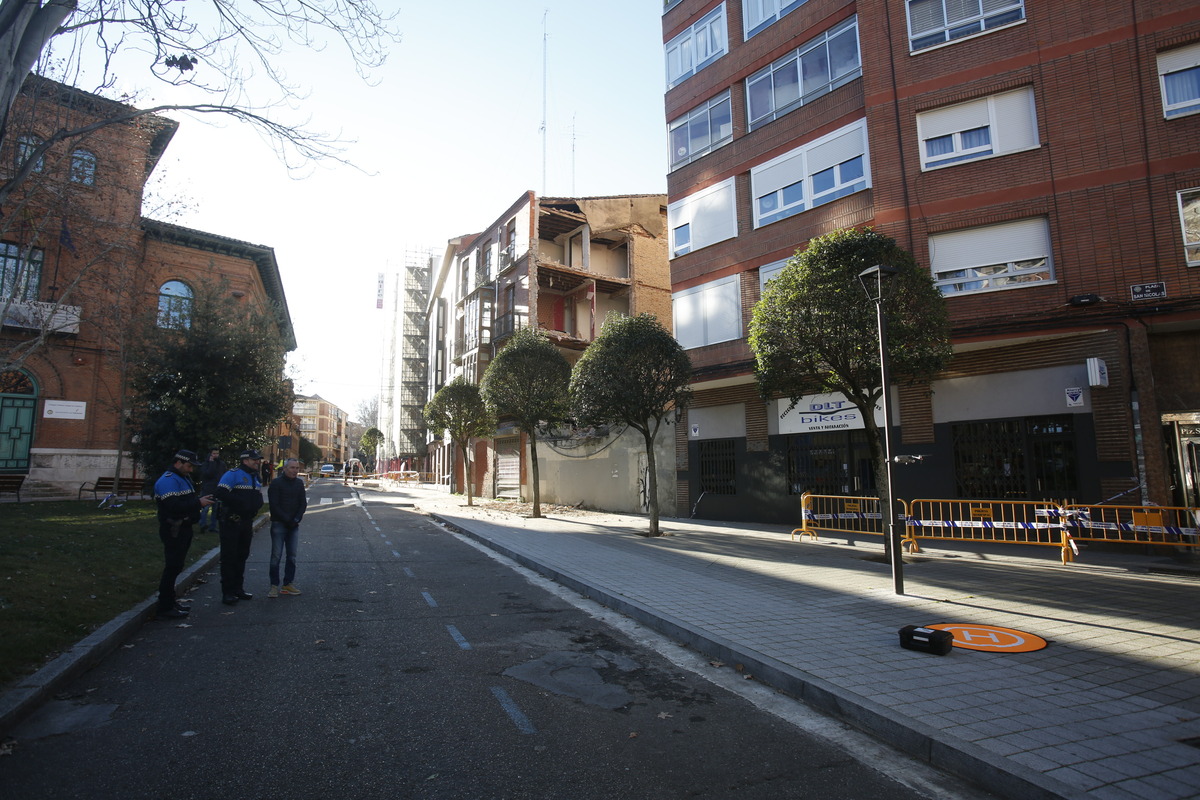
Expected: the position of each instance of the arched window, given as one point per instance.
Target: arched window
(175, 305)
(26, 144)
(83, 167)
(16, 381)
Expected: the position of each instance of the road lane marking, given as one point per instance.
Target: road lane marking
(326, 501)
(397, 555)
(514, 712)
(429, 599)
(407, 571)
(458, 637)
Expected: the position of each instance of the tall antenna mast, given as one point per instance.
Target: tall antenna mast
(545, 61)
(573, 155)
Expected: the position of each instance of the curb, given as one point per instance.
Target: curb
(960, 758)
(27, 694)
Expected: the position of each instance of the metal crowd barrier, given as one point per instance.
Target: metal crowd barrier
(1004, 521)
(1047, 523)
(827, 512)
(1175, 526)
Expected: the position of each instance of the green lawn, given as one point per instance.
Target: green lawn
(67, 568)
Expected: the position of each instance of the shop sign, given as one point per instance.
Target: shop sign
(822, 412)
(65, 409)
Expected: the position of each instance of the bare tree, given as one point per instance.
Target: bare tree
(367, 412)
(225, 51)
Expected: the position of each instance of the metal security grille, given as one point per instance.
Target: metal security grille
(830, 462)
(1030, 458)
(717, 467)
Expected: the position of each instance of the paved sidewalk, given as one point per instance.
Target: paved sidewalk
(1109, 710)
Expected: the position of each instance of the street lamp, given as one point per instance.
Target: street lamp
(872, 280)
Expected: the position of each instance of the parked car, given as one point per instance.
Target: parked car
(328, 471)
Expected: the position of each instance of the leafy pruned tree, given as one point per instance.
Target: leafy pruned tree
(212, 376)
(528, 381)
(309, 452)
(815, 328)
(635, 372)
(458, 409)
(370, 441)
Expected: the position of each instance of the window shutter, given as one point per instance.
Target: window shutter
(1016, 121)
(722, 311)
(689, 319)
(994, 244)
(925, 16)
(1180, 58)
(841, 147)
(951, 119)
(778, 173)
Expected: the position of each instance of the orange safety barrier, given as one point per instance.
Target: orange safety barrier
(826, 512)
(1175, 526)
(1003, 521)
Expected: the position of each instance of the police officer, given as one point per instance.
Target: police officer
(240, 494)
(178, 509)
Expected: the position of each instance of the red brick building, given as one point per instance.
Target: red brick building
(79, 262)
(1043, 159)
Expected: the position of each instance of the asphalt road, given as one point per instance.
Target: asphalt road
(413, 666)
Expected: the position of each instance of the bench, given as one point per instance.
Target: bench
(12, 483)
(123, 487)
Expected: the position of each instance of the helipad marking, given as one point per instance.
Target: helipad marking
(991, 638)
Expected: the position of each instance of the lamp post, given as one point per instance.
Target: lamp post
(872, 280)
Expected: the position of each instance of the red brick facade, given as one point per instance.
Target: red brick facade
(1104, 174)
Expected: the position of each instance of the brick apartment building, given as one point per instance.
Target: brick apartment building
(78, 263)
(1042, 158)
(323, 424)
(562, 264)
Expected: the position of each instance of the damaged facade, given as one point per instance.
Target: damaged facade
(562, 264)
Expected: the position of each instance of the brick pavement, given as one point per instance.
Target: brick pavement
(1105, 712)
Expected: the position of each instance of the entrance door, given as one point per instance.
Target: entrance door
(508, 467)
(18, 402)
(1182, 434)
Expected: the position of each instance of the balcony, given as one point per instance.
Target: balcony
(52, 317)
(506, 324)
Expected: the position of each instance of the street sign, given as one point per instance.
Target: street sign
(1148, 291)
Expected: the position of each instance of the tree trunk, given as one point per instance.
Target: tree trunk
(652, 483)
(466, 452)
(533, 469)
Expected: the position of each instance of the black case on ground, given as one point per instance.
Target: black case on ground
(926, 640)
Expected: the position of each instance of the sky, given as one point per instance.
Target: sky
(444, 141)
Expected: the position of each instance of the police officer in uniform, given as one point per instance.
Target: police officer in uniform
(178, 510)
(240, 494)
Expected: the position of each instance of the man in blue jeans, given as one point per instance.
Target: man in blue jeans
(288, 504)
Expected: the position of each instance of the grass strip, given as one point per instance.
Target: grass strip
(67, 568)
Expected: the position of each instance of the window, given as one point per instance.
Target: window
(1005, 256)
(934, 22)
(20, 273)
(991, 126)
(697, 47)
(25, 147)
(708, 314)
(706, 217)
(83, 167)
(701, 130)
(1189, 218)
(758, 15)
(768, 272)
(816, 68)
(175, 305)
(816, 173)
(1179, 73)
(718, 467)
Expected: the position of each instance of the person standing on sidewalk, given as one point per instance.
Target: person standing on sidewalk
(179, 509)
(288, 504)
(210, 474)
(240, 494)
